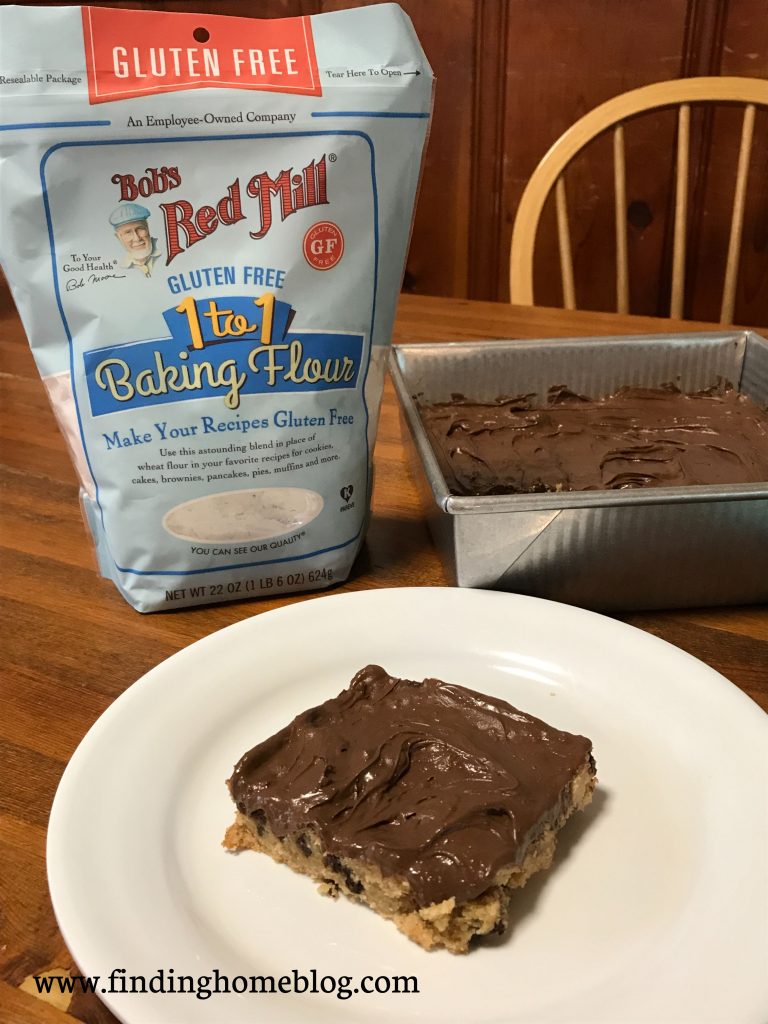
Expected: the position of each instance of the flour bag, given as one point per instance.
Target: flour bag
(204, 223)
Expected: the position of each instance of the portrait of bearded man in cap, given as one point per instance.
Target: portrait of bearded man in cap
(129, 221)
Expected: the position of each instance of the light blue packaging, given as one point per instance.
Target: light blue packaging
(204, 227)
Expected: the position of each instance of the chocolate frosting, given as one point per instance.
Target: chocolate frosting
(426, 780)
(638, 437)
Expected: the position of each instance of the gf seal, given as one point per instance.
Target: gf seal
(323, 245)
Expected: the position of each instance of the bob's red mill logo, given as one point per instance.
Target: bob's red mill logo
(185, 225)
(131, 53)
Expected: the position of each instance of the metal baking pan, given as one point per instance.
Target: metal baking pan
(661, 547)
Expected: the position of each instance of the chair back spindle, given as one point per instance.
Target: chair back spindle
(681, 211)
(620, 205)
(564, 242)
(737, 217)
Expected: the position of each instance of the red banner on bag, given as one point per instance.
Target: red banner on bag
(130, 53)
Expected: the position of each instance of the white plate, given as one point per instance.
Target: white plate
(655, 910)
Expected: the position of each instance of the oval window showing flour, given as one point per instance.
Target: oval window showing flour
(232, 516)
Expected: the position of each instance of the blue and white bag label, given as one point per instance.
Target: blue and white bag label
(206, 249)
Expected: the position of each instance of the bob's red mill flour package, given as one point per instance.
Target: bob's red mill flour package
(204, 222)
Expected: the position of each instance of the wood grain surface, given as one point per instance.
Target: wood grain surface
(71, 644)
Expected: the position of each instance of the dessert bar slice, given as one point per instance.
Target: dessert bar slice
(427, 801)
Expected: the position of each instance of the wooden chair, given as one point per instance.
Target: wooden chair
(682, 93)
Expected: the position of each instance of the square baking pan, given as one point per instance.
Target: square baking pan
(612, 550)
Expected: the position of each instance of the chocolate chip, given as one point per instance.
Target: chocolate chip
(303, 844)
(350, 881)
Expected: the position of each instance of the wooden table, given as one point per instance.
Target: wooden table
(63, 626)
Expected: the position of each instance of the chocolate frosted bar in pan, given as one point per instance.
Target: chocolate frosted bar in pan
(637, 437)
(426, 801)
